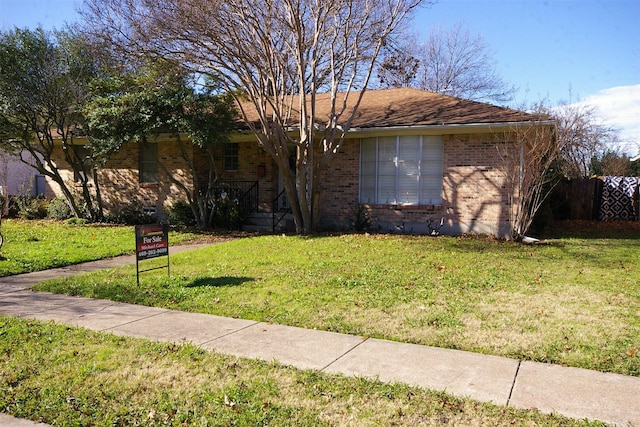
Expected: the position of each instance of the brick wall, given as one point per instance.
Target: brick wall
(475, 187)
(119, 179)
(254, 165)
(340, 187)
(475, 192)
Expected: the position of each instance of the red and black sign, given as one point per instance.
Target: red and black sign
(152, 241)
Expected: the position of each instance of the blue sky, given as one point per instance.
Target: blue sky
(570, 50)
(584, 51)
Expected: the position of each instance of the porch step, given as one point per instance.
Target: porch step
(262, 222)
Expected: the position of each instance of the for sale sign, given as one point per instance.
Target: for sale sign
(152, 241)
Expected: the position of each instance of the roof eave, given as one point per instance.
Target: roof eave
(441, 129)
(448, 129)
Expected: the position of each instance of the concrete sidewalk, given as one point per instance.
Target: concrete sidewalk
(573, 392)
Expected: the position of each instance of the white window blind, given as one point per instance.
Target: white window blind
(401, 170)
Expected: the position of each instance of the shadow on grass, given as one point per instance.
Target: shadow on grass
(219, 281)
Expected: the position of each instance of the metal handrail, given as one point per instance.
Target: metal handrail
(244, 193)
(274, 211)
(249, 199)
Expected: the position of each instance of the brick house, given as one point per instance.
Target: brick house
(412, 160)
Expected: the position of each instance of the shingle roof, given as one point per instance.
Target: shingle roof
(407, 107)
(413, 107)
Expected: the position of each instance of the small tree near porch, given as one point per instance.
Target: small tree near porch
(160, 98)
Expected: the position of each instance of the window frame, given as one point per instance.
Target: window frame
(230, 157)
(148, 163)
(391, 170)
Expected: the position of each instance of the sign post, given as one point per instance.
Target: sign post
(152, 241)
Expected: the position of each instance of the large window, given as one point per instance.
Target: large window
(401, 170)
(149, 163)
(230, 160)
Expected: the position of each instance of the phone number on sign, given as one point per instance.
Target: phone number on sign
(153, 253)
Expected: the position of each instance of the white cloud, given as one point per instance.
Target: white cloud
(620, 107)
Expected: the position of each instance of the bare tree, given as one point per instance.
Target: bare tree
(581, 136)
(278, 56)
(451, 62)
(530, 156)
(561, 143)
(398, 69)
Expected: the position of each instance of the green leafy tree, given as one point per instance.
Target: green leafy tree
(160, 97)
(43, 87)
(612, 163)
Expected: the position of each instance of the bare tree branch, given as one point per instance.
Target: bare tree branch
(451, 62)
(581, 136)
(277, 55)
(529, 155)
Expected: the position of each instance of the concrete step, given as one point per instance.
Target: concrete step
(260, 218)
(262, 222)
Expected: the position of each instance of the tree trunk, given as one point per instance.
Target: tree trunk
(100, 207)
(75, 209)
(289, 182)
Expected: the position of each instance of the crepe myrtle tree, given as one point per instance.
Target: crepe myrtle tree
(531, 156)
(275, 57)
(561, 141)
(582, 136)
(43, 87)
(154, 97)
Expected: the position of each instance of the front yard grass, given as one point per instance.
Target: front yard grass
(40, 245)
(574, 302)
(74, 377)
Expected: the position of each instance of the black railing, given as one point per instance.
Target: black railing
(242, 193)
(279, 208)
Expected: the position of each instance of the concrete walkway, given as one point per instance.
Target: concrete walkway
(573, 392)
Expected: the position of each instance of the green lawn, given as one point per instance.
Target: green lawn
(575, 301)
(39, 245)
(74, 377)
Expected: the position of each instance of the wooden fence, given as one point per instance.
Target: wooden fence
(580, 199)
